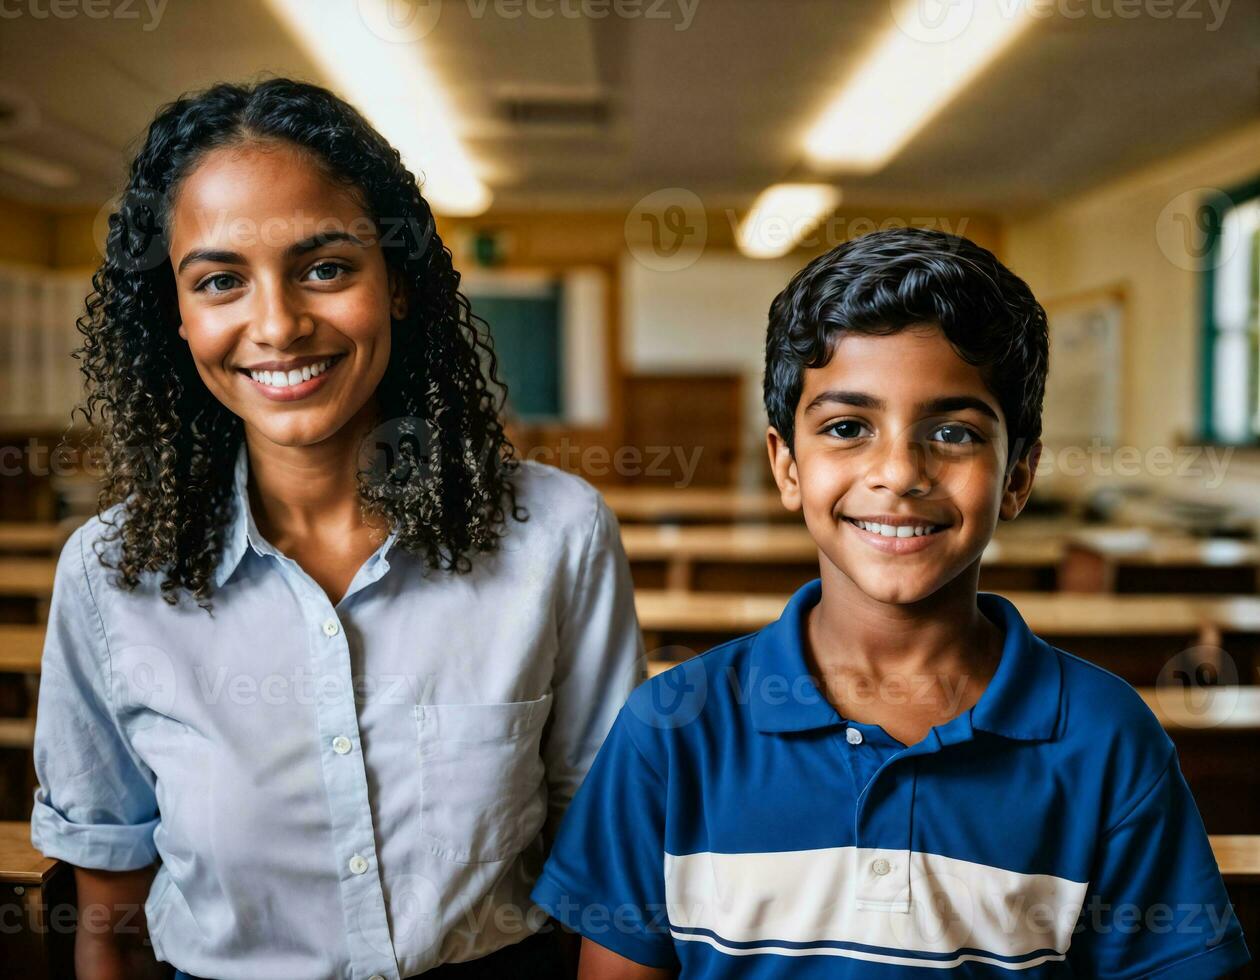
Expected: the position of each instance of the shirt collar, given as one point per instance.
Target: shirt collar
(1021, 700)
(242, 533)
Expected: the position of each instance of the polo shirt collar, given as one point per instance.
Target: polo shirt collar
(1021, 700)
(242, 533)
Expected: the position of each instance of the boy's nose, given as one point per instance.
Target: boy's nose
(904, 468)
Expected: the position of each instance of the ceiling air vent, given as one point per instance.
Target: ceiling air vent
(555, 112)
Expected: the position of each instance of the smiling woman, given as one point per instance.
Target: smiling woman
(300, 431)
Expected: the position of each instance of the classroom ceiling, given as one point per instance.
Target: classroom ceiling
(711, 95)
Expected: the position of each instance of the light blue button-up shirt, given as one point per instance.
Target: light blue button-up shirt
(346, 791)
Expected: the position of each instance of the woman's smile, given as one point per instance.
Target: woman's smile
(289, 381)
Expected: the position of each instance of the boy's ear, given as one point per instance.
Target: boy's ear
(783, 466)
(1019, 484)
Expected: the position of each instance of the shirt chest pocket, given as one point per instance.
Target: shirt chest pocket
(482, 789)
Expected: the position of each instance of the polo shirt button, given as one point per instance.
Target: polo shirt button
(880, 866)
(358, 865)
(853, 736)
(331, 627)
(341, 745)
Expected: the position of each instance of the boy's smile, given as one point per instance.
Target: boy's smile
(899, 464)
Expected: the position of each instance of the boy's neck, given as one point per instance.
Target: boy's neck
(944, 637)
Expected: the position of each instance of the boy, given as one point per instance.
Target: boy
(897, 777)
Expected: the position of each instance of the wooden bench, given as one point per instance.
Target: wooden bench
(1137, 637)
(26, 586)
(35, 539)
(1136, 560)
(781, 558)
(701, 505)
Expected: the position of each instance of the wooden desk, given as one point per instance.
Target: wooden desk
(781, 558)
(26, 586)
(701, 505)
(1135, 560)
(39, 909)
(34, 539)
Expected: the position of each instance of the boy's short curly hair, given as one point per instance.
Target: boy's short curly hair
(885, 281)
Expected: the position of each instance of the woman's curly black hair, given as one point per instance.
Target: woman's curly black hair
(168, 446)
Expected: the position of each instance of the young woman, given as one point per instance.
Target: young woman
(330, 652)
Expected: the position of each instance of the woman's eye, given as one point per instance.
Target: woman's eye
(847, 429)
(326, 271)
(958, 435)
(220, 282)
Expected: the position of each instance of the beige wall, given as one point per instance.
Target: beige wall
(1129, 233)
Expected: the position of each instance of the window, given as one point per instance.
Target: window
(1231, 363)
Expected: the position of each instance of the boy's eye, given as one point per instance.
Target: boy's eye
(845, 429)
(958, 435)
(326, 271)
(220, 282)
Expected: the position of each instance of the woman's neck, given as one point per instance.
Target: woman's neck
(298, 492)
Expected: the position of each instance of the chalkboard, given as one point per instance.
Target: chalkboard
(527, 340)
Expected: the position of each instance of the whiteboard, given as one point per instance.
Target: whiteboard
(1083, 390)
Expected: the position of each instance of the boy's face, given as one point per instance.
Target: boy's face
(899, 427)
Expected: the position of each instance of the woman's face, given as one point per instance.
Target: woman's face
(285, 299)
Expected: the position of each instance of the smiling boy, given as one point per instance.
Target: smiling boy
(897, 778)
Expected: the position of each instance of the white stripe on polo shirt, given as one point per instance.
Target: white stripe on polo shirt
(806, 903)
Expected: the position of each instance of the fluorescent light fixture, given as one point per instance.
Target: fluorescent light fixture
(782, 216)
(385, 76)
(37, 170)
(934, 50)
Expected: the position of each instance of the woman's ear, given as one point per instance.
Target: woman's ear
(397, 295)
(783, 465)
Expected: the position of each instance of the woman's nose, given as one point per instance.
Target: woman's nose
(280, 318)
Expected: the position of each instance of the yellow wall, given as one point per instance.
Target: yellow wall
(1127, 233)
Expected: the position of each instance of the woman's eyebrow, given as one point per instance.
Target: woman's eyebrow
(946, 403)
(309, 244)
(320, 240)
(209, 255)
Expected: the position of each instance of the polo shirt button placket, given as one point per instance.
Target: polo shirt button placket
(882, 874)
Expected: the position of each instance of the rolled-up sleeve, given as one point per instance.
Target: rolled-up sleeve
(95, 805)
(599, 662)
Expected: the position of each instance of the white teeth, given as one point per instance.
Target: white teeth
(283, 379)
(898, 531)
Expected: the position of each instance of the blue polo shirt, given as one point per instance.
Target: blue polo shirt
(735, 825)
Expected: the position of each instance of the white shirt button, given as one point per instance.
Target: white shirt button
(331, 627)
(853, 736)
(880, 866)
(341, 745)
(358, 865)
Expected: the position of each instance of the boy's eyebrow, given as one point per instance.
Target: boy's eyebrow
(933, 406)
(224, 257)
